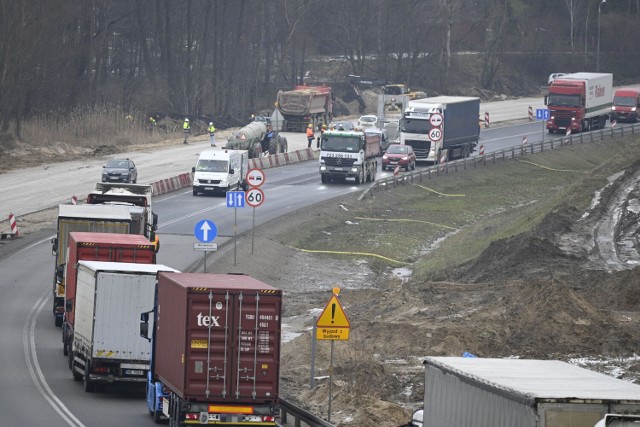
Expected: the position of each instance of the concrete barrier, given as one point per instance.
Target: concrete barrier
(186, 179)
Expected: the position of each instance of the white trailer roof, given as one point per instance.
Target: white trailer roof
(94, 212)
(539, 379)
(444, 100)
(583, 75)
(126, 267)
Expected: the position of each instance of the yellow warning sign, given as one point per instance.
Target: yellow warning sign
(333, 316)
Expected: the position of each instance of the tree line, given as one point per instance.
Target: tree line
(227, 58)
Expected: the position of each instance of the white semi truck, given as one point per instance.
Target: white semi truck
(433, 125)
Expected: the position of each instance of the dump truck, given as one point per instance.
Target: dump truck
(305, 105)
(137, 197)
(486, 392)
(84, 246)
(93, 218)
(441, 126)
(215, 350)
(349, 154)
(107, 346)
(257, 138)
(579, 102)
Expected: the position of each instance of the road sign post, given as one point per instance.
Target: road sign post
(205, 231)
(543, 115)
(235, 200)
(332, 325)
(255, 197)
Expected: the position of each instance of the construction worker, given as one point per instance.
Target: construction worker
(322, 130)
(212, 134)
(309, 135)
(186, 128)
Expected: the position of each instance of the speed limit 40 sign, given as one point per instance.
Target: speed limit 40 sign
(254, 197)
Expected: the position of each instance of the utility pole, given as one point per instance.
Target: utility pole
(598, 49)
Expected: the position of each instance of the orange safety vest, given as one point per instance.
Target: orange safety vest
(309, 132)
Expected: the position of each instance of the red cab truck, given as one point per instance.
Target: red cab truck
(84, 246)
(579, 102)
(626, 103)
(215, 350)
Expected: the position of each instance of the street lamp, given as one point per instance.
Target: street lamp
(598, 53)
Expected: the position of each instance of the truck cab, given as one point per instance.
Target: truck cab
(220, 171)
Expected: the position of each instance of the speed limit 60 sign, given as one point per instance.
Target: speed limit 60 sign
(254, 197)
(435, 134)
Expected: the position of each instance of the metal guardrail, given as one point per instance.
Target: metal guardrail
(300, 416)
(521, 150)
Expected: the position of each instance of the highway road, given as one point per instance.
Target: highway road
(37, 387)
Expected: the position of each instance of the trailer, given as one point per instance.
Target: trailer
(441, 126)
(215, 342)
(479, 392)
(107, 346)
(94, 218)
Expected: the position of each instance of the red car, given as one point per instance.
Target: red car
(399, 154)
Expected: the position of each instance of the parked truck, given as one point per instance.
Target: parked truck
(107, 346)
(219, 171)
(93, 218)
(579, 102)
(137, 197)
(258, 137)
(133, 248)
(441, 125)
(619, 420)
(305, 105)
(349, 154)
(215, 345)
(626, 103)
(483, 392)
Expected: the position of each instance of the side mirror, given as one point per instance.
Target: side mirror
(155, 220)
(193, 169)
(546, 100)
(231, 171)
(54, 246)
(144, 325)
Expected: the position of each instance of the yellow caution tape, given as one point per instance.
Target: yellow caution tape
(406, 220)
(439, 193)
(548, 168)
(351, 253)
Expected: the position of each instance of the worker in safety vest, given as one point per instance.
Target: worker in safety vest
(186, 128)
(309, 135)
(319, 140)
(212, 134)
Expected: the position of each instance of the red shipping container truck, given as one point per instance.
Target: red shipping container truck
(215, 350)
(86, 246)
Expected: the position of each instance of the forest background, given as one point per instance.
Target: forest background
(66, 61)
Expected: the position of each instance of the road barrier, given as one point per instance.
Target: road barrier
(521, 150)
(14, 228)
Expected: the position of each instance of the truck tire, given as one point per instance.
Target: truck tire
(195, 192)
(274, 145)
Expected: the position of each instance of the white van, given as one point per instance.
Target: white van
(219, 171)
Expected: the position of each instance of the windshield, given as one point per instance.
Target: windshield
(118, 164)
(624, 101)
(415, 125)
(564, 100)
(341, 143)
(398, 149)
(211, 166)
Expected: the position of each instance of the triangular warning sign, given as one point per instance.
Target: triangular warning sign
(333, 316)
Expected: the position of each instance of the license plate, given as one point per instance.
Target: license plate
(138, 372)
(337, 169)
(394, 163)
(208, 188)
(114, 177)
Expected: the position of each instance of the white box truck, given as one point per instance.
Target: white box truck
(484, 392)
(107, 346)
(219, 171)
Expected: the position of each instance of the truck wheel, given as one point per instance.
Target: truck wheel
(195, 192)
(58, 321)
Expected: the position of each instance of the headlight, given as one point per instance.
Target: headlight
(354, 169)
(385, 157)
(405, 158)
(633, 109)
(613, 108)
(323, 168)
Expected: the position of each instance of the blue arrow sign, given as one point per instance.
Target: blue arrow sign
(542, 114)
(205, 230)
(235, 199)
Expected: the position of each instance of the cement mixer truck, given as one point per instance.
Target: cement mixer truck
(304, 105)
(257, 138)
